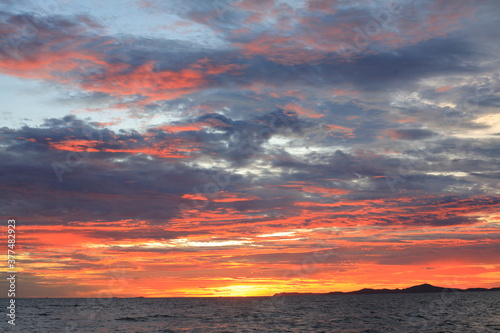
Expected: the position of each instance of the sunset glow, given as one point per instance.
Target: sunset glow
(250, 147)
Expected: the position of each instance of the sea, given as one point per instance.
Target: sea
(444, 312)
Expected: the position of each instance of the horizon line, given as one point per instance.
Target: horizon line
(329, 293)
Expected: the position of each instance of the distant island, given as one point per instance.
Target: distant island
(423, 288)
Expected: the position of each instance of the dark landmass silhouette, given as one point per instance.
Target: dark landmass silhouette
(423, 288)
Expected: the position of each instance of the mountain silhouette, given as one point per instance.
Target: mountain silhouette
(422, 288)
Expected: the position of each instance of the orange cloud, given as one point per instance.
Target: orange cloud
(341, 130)
(340, 92)
(442, 89)
(302, 111)
(234, 197)
(168, 148)
(183, 128)
(143, 80)
(49, 64)
(75, 145)
(274, 265)
(283, 50)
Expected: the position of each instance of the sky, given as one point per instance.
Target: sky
(167, 148)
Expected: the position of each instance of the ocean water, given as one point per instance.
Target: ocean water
(438, 312)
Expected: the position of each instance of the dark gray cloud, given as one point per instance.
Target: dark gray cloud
(130, 175)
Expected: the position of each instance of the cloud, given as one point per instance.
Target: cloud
(412, 134)
(204, 164)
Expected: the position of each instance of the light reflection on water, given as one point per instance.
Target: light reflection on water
(439, 312)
